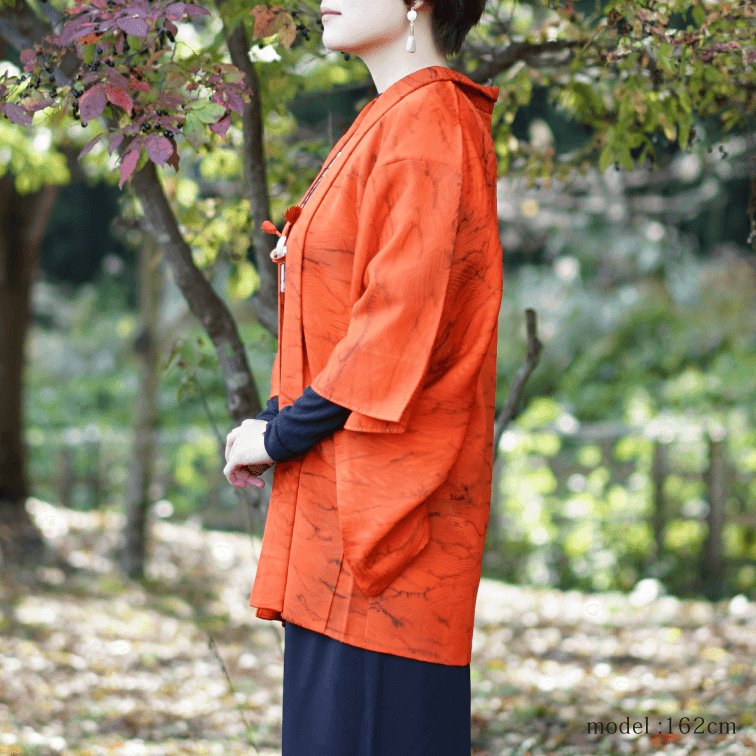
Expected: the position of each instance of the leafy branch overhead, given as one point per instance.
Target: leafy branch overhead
(127, 72)
(630, 73)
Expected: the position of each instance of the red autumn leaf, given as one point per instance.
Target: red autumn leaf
(29, 59)
(17, 114)
(660, 739)
(176, 10)
(221, 127)
(292, 213)
(234, 101)
(139, 86)
(119, 97)
(92, 103)
(89, 39)
(116, 79)
(192, 9)
(287, 31)
(266, 20)
(159, 148)
(114, 142)
(173, 160)
(36, 102)
(133, 25)
(75, 29)
(88, 146)
(128, 164)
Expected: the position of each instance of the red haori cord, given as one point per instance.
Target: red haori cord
(278, 253)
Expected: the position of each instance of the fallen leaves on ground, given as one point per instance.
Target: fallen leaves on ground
(93, 663)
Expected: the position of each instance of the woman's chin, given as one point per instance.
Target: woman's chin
(337, 43)
(332, 44)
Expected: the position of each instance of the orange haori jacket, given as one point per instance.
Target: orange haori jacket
(393, 283)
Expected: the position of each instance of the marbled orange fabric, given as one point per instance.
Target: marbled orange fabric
(393, 287)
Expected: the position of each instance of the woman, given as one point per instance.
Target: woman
(381, 410)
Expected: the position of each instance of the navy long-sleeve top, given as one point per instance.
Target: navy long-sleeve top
(294, 429)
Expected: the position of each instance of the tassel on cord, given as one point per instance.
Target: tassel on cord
(269, 228)
(292, 213)
(278, 253)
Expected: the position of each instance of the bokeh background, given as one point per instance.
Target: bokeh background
(619, 572)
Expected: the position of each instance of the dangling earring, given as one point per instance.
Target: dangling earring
(411, 16)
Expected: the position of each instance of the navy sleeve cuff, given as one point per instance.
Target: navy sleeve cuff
(299, 426)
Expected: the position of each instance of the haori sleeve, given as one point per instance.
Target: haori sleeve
(408, 220)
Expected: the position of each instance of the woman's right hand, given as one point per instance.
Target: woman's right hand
(250, 476)
(242, 475)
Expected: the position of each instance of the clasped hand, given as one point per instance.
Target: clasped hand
(246, 458)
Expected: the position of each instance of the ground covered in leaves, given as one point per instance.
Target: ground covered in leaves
(91, 663)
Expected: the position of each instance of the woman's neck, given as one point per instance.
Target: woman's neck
(391, 61)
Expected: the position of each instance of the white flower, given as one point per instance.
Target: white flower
(265, 54)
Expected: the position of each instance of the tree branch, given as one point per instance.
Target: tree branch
(242, 396)
(500, 60)
(534, 347)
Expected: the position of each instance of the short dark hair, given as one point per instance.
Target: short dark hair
(451, 20)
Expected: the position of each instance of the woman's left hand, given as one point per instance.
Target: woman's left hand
(246, 458)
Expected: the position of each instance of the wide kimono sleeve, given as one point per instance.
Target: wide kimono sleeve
(406, 241)
(407, 226)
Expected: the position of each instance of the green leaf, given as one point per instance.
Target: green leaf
(606, 158)
(625, 158)
(682, 96)
(730, 118)
(669, 128)
(207, 112)
(634, 139)
(663, 52)
(684, 135)
(193, 130)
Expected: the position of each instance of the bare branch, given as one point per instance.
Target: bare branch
(204, 303)
(530, 52)
(534, 347)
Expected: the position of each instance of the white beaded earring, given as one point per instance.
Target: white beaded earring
(411, 16)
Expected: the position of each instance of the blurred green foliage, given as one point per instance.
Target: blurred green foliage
(646, 317)
(576, 511)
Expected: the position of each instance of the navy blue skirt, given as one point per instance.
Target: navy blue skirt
(341, 700)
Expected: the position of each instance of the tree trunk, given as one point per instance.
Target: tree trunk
(23, 219)
(142, 468)
(159, 221)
